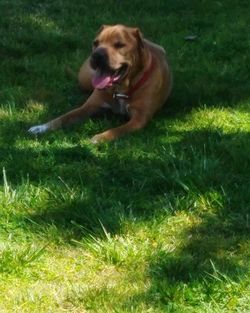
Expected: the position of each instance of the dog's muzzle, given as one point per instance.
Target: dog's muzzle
(99, 60)
(105, 76)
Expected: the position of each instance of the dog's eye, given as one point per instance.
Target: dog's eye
(119, 45)
(95, 43)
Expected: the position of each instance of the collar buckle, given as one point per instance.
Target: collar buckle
(120, 96)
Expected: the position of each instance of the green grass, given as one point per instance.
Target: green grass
(158, 221)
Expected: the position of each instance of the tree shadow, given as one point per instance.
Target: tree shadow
(109, 186)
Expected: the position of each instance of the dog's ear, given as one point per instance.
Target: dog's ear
(139, 37)
(101, 29)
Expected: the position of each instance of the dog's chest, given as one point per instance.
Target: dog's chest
(121, 106)
(118, 106)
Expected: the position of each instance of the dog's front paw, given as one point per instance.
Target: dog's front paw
(38, 129)
(103, 137)
(99, 138)
(96, 139)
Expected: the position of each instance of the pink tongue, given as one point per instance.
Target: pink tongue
(100, 82)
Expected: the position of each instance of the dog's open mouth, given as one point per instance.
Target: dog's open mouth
(103, 80)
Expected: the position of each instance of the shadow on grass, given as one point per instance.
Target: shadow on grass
(93, 188)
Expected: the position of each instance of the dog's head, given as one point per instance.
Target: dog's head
(116, 51)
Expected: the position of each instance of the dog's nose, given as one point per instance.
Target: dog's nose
(99, 58)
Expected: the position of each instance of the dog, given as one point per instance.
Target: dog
(125, 72)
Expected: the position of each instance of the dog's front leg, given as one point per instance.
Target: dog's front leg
(91, 106)
(136, 122)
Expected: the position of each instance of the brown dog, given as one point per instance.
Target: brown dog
(126, 73)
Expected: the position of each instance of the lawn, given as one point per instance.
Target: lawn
(158, 221)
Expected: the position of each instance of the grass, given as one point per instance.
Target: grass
(155, 222)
